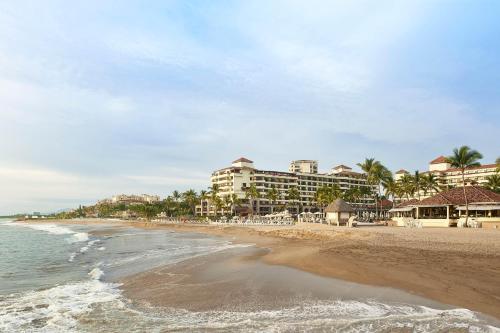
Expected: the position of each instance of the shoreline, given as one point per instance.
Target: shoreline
(237, 280)
(458, 267)
(462, 272)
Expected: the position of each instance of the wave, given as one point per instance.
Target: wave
(55, 230)
(331, 316)
(177, 254)
(56, 309)
(83, 249)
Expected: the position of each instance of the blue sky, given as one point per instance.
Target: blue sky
(105, 97)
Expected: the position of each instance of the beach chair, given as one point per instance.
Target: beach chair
(351, 222)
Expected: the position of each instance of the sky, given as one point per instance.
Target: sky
(105, 97)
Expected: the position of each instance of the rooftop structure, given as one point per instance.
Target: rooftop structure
(455, 196)
(130, 199)
(303, 166)
(242, 173)
(449, 177)
(447, 208)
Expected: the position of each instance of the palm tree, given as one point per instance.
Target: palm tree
(203, 195)
(252, 193)
(356, 193)
(493, 183)
(348, 195)
(236, 202)
(214, 198)
(375, 174)
(293, 195)
(464, 158)
(407, 186)
(365, 191)
(272, 195)
(391, 188)
(227, 203)
(326, 194)
(218, 204)
(417, 182)
(369, 166)
(191, 198)
(176, 195)
(430, 183)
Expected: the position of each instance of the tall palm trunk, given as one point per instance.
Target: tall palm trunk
(381, 206)
(465, 197)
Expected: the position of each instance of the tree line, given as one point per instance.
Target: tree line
(380, 181)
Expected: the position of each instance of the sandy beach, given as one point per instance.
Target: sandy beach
(460, 267)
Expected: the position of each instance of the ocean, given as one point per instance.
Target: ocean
(65, 278)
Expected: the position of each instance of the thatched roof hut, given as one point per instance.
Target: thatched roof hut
(339, 206)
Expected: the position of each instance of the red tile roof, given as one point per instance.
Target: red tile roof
(342, 166)
(242, 159)
(440, 159)
(385, 203)
(407, 203)
(484, 166)
(401, 171)
(455, 196)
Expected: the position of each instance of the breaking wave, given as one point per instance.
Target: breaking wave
(56, 309)
(55, 230)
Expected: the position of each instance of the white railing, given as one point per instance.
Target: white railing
(256, 220)
(410, 222)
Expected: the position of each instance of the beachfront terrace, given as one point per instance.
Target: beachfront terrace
(447, 209)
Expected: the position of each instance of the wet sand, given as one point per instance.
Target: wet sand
(236, 280)
(460, 267)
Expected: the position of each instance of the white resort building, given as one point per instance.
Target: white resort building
(302, 175)
(447, 209)
(130, 199)
(449, 177)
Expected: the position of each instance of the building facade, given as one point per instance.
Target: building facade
(448, 177)
(303, 175)
(130, 199)
(303, 166)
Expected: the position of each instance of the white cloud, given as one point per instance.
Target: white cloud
(94, 109)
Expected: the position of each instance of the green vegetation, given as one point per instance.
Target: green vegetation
(464, 158)
(376, 174)
(175, 205)
(493, 183)
(378, 177)
(251, 193)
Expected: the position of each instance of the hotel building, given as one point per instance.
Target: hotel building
(449, 177)
(302, 174)
(130, 199)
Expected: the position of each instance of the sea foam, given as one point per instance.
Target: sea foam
(334, 316)
(56, 309)
(55, 230)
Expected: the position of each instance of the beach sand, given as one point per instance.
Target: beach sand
(236, 280)
(460, 267)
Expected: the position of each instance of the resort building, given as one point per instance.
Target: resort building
(303, 166)
(449, 177)
(447, 209)
(303, 175)
(452, 177)
(130, 199)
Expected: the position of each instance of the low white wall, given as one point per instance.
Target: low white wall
(399, 221)
(443, 223)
